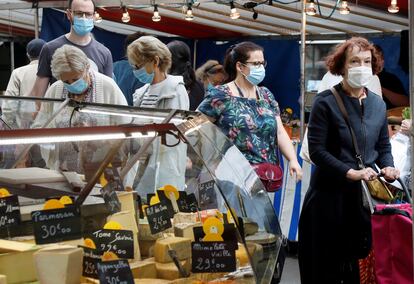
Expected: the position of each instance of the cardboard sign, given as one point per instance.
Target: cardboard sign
(159, 218)
(111, 199)
(207, 195)
(9, 211)
(211, 257)
(120, 242)
(90, 262)
(56, 225)
(115, 272)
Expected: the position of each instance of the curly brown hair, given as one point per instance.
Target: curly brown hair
(335, 62)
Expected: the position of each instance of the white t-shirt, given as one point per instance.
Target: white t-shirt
(329, 80)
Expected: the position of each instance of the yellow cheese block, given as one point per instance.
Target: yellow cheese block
(169, 270)
(151, 281)
(128, 222)
(146, 248)
(127, 200)
(144, 232)
(185, 230)
(16, 261)
(182, 247)
(3, 279)
(143, 269)
(59, 264)
(255, 251)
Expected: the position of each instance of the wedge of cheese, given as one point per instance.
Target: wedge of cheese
(127, 200)
(128, 222)
(3, 279)
(143, 269)
(146, 248)
(16, 261)
(170, 271)
(59, 264)
(181, 246)
(185, 230)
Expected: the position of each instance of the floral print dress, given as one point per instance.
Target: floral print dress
(249, 123)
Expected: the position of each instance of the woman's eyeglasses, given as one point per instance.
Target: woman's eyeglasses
(256, 63)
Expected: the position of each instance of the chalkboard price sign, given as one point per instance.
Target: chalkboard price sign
(51, 226)
(120, 242)
(90, 262)
(115, 272)
(211, 257)
(158, 217)
(9, 211)
(207, 195)
(111, 199)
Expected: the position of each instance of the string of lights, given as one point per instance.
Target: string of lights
(311, 8)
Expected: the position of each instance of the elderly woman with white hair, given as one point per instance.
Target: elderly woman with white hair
(151, 59)
(78, 81)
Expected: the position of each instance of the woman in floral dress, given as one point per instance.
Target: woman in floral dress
(248, 114)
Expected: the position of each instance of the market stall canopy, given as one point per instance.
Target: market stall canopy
(212, 18)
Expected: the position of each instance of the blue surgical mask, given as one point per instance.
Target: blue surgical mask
(210, 86)
(256, 75)
(142, 75)
(77, 87)
(82, 26)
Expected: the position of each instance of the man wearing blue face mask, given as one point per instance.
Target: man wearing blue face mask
(81, 16)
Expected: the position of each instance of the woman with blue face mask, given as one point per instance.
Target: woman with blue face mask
(76, 80)
(248, 114)
(151, 59)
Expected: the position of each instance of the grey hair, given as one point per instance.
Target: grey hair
(68, 58)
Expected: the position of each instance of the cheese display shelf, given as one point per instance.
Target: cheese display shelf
(94, 193)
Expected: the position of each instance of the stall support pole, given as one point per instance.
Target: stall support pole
(411, 70)
(302, 71)
(12, 55)
(36, 23)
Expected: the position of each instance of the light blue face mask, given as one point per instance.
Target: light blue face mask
(142, 75)
(82, 26)
(256, 75)
(77, 87)
(210, 86)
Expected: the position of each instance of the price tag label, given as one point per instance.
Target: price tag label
(211, 257)
(207, 195)
(111, 199)
(115, 272)
(159, 218)
(120, 242)
(9, 211)
(192, 203)
(90, 262)
(56, 225)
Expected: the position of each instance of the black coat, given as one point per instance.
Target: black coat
(334, 228)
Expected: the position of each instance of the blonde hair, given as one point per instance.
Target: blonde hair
(146, 49)
(68, 58)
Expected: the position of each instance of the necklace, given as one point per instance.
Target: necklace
(240, 91)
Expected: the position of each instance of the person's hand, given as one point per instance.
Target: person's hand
(295, 169)
(366, 174)
(406, 126)
(390, 173)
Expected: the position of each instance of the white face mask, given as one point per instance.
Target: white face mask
(359, 77)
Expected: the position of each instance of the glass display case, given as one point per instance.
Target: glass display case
(97, 154)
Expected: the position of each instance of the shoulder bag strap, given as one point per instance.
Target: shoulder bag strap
(342, 108)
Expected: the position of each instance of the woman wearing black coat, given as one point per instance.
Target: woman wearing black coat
(334, 227)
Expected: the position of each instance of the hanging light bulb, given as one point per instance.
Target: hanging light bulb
(125, 16)
(156, 17)
(97, 18)
(310, 9)
(393, 8)
(344, 9)
(189, 14)
(234, 15)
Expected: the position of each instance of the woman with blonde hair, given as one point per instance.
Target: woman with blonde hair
(151, 59)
